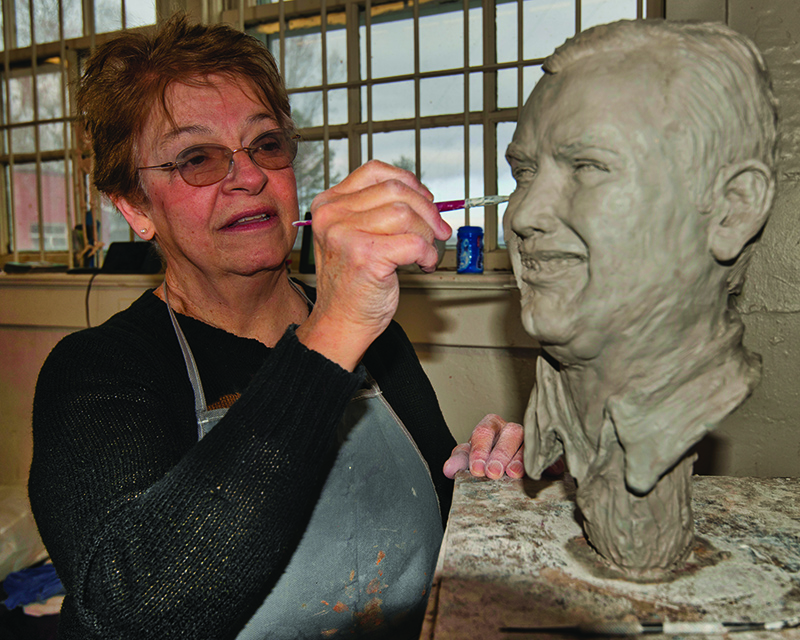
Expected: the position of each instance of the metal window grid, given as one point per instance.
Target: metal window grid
(279, 20)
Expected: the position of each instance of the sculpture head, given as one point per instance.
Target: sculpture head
(644, 166)
(644, 162)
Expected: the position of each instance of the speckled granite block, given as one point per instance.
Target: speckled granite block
(514, 555)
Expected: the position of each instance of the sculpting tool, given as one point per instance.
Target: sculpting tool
(448, 205)
(635, 628)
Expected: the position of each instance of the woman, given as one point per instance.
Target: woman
(235, 455)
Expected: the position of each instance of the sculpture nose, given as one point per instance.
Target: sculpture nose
(535, 211)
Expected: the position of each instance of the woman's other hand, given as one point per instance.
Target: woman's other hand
(378, 218)
(493, 450)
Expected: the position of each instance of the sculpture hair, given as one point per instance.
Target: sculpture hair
(712, 66)
(127, 78)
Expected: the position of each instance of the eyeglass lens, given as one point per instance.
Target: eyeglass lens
(209, 163)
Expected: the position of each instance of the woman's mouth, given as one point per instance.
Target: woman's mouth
(250, 219)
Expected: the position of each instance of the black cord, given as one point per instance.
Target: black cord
(86, 302)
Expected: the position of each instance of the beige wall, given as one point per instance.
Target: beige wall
(763, 437)
(466, 328)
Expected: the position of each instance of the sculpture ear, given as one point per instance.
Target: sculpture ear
(742, 198)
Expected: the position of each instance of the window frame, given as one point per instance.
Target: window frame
(357, 15)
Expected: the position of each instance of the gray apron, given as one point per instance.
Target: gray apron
(364, 565)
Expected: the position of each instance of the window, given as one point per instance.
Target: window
(430, 85)
(49, 211)
(433, 86)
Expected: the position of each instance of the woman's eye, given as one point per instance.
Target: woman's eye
(268, 144)
(194, 159)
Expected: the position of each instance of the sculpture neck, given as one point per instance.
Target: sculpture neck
(646, 372)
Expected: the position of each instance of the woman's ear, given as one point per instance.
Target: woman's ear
(742, 198)
(136, 217)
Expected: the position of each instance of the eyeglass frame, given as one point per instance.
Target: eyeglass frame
(168, 166)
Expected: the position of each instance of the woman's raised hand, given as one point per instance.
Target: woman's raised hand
(378, 218)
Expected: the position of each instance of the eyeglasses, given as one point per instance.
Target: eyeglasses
(205, 164)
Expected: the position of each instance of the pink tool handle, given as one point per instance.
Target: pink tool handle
(450, 205)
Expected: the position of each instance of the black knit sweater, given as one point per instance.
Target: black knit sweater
(156, 535)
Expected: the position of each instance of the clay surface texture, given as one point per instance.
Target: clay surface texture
(644, 165)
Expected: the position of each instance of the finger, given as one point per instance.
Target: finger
(482, 440)
(458, 460)
(393, 218)
(508, 443)
(516, 468)
(372, 173)
(383, 208)
(376, 184)
(377, 254)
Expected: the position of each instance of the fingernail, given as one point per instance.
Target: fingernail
(478, 469)
(494, 470)
(516, 469)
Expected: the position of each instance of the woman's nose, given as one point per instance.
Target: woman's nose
(244, 172)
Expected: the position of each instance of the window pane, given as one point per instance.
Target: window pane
(49, 87)
(442, 95)
(25, 207)
(476, 92)
(107, 15)
(595, 12)
(45, 20)
(391, 101)
(54, 207)
(337, 106)
(441, 38)
(505, 183)
(309, 172)
(23, 140)
(395, 147)
(307, 108)
(392, 45)
(507, 80)
(21, 99)
(139, 13)
(113, 227)
(309, 169)
(336, 43)
(443, 169)
(23, 18)
(303, 59)
(339, 160)
(51, 137)
(546, 24)
(73, 18)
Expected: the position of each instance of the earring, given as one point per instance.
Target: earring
(144, 230)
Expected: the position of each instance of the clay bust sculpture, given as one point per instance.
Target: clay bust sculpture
(644, 168)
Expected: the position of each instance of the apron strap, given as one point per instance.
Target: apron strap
(191, 367)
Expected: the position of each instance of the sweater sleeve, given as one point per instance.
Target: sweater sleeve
(159, 536)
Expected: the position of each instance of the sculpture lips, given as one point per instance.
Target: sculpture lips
(550, 260)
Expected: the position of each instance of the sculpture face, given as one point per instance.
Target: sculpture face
(624, 278)
(604, 237)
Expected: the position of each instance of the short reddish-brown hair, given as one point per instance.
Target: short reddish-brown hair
(127, 77)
